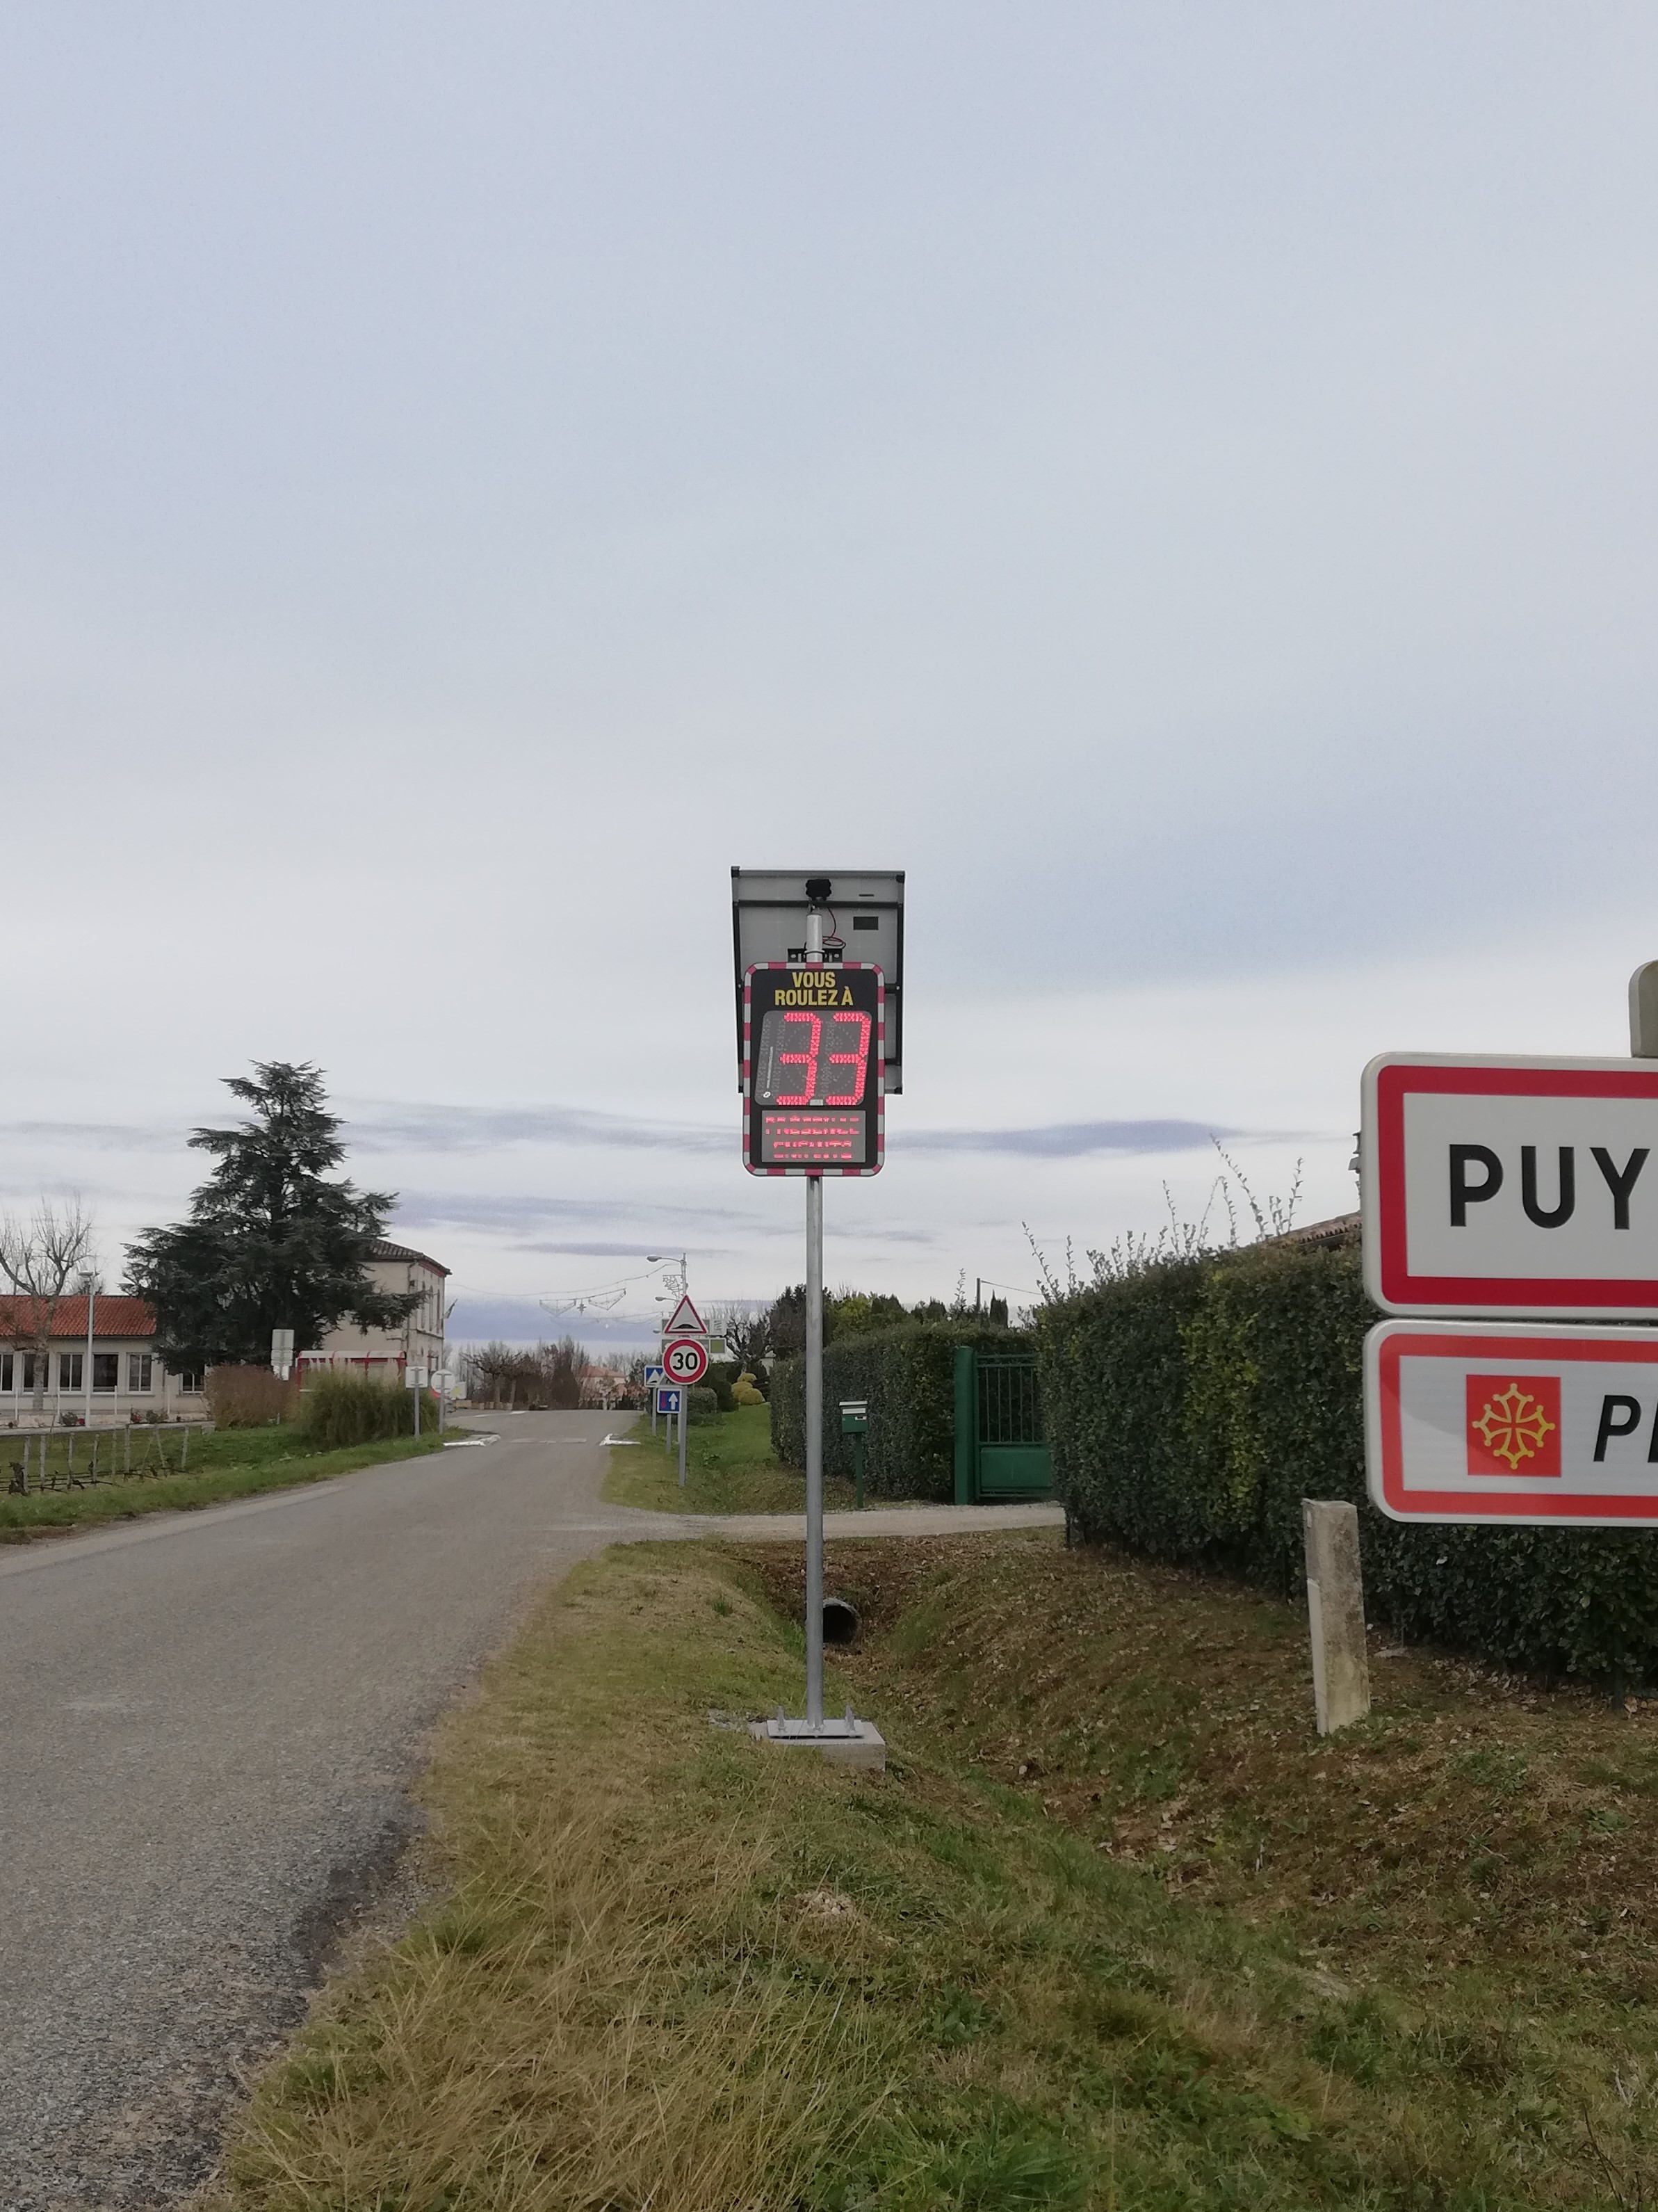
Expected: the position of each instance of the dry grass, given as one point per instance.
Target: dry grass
(249, 1397)
(607, 2010)
(1081, 1945)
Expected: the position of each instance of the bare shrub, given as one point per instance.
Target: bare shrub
(249, 1397)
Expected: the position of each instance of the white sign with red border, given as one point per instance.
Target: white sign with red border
(684, 1360)
(1523, 1187)
(1545, 1427)
(684, 1321)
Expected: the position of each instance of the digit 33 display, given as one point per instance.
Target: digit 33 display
(814, 1047)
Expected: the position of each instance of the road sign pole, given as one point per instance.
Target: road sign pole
(814, 1401)
(815, 1450)
(684, 1405)
(835, 1128)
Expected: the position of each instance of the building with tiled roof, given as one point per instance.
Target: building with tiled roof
(111, 1374)
(415, 1344)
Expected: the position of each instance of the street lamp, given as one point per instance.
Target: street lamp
(90, 1288)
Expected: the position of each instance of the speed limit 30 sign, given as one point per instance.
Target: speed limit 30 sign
(684, 1360)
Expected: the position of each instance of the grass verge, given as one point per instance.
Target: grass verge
(729, 1468)
(676, 1969)
(224, 1463)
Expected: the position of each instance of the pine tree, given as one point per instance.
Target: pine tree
(271, 1242)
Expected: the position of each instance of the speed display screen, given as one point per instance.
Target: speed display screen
(813, 1045)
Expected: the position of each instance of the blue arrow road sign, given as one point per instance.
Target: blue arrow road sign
(667, 1398)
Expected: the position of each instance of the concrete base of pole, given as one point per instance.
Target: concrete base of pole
(1335, 1608)
(848, 1742)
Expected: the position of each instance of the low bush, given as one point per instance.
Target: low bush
(702, 1403)
(1192, 1406)
(907, 1376)
(339, 1409)
(720, 1377)
(248, 1397)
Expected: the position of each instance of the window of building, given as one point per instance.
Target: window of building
(106, 1370)
(190, 1382)
(70, 1369)
(29, 1370)
(138, 1371)
(8, 1369)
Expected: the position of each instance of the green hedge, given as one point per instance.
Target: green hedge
(1191, 1406)
(907, 1376)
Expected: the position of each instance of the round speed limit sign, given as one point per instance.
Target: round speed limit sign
(685, 1360)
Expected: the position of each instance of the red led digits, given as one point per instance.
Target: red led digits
(808, 1059)
(811, 1068)
(858, 1059)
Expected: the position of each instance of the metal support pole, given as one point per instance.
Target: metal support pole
(815, 1451)
(684, 1413)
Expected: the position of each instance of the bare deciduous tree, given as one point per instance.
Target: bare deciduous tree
(38, 1257)
(745, 1324)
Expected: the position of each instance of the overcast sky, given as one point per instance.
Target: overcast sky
(1180, 481)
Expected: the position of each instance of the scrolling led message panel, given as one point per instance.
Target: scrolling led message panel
(813, 1044)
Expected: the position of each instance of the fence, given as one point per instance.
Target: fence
(104, 1454)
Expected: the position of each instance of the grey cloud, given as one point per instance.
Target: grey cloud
(523, 1321)
(1067, 1141)
(521, 1212)
(439, 1129)
(635, 1251)
(97, 1136)
(466, 1129)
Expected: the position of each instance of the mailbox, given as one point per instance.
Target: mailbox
(854, 1423)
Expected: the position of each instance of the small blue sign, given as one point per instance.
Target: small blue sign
(653, 1374)
(667, 1398)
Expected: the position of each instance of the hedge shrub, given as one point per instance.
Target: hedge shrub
(1191, 1406)
(907, 1376)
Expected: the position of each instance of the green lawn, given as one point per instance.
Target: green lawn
(223, 1463)
(729, 1468)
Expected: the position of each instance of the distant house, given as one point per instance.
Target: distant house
(390, 1353)
(126, 1376)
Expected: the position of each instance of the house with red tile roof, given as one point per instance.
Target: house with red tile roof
(117, 1373)
(100, 1363)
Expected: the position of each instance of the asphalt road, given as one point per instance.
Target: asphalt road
(210, 1722)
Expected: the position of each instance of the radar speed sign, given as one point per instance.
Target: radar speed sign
(814, 1049)
(685, 1360)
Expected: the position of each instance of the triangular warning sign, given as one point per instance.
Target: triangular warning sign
(686, 1321)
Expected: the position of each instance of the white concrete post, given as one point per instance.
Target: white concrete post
(1335, 1609)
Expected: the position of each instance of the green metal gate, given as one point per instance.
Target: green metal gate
(1001, 1453)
